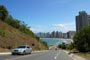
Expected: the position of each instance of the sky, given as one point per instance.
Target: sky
(47, 15)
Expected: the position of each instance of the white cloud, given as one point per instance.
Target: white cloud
(38, 28)
(54, 27)
(64, 27)
(58, 25)
(34, 30)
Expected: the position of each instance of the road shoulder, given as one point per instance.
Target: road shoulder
(74, 57)
(7, 53)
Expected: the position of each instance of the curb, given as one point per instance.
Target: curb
(5, 53)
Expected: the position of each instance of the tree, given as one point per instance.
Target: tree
(63, 46)
(82, 40)
(3, 13)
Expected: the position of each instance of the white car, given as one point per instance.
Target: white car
(25, 49)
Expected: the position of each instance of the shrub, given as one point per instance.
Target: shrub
(63, 46)
(82, 40)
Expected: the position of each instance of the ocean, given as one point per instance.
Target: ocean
(55, 41)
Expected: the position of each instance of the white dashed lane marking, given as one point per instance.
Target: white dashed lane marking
(57, 55)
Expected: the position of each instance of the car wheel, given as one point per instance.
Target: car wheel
(30, 53)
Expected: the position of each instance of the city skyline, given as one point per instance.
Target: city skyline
(47, 15)
(56, 34)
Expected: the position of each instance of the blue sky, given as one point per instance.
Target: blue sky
(47, 15)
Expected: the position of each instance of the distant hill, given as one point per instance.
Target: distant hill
(11, 37)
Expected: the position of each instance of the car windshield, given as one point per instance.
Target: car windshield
(21, 47)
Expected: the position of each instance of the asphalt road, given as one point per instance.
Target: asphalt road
(48, 55)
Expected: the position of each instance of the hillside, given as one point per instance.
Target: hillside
(11, 37)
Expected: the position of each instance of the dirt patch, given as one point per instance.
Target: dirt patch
(4, 50)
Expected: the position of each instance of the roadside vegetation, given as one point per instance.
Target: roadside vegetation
(40, 41)
(82, 40)
(84, 55)
(80, 44)
(14, 32)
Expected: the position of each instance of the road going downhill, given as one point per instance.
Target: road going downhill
(49, 55)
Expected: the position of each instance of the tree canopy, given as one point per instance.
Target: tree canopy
(3, 12)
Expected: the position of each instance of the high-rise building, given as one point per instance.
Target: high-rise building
(54, 34)
(70, 34)
(64, 35)
(82, 20)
